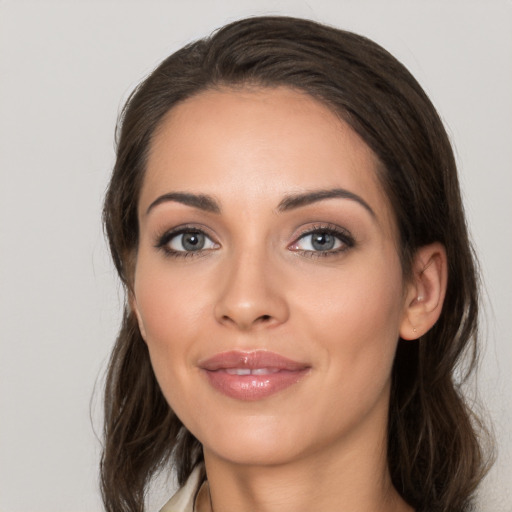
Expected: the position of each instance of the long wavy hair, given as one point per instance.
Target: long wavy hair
(434, 455)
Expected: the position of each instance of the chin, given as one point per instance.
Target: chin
(251, 440)
(255, 450)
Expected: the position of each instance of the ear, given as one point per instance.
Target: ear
(424, 295)
(135, 309)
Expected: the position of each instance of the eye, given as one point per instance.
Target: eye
(323, 241)
(190, 241)
(185, 242)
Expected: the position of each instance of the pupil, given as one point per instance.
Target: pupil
(193, 241)
(323, 241)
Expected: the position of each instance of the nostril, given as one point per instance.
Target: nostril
(247, 322)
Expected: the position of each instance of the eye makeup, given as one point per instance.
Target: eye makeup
(185, 241)
(322, 240)
(318, 240)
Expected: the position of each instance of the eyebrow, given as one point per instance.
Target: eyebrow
(298, 200)
(200, 201)
(290, 202)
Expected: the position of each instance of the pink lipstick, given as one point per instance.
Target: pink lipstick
(252, 375)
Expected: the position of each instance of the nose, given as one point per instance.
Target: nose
(251, 295)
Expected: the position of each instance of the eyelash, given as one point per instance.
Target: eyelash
(163, 242)
(341, 234)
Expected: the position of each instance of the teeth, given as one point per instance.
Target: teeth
(248, 371)
(264, 371)
(238, 371)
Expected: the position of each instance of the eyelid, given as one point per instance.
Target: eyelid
(164, 237)
(342, 234)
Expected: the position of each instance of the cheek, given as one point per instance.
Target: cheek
(357, 314)
(354, 321)
(171, 310)
(168, 299)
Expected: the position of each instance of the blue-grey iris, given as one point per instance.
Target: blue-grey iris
(192, 241)
(322, 241)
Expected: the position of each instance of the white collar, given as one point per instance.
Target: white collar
(183, 500)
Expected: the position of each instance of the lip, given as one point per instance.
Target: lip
(274, 373)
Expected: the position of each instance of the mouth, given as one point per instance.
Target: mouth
(248, 371)
(253, 375)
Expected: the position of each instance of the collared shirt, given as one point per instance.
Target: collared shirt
(188, 499)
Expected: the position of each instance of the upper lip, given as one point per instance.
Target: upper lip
(250, 359)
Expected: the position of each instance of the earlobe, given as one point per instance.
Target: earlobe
(425, 292)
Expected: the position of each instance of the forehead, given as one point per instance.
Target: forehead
(256, 145)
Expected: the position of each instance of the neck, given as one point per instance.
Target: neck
(338, 480)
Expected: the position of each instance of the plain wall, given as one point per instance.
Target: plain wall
(65, 68)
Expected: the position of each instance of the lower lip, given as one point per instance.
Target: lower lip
(253, 387)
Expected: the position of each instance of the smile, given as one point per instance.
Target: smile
(253, 375)
(248, 371)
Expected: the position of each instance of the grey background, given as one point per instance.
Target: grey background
(65, 69)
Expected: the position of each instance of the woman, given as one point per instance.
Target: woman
(285, 216)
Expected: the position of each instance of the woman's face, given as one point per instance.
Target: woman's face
(268, 286)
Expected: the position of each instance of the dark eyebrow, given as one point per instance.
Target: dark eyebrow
(297, 200)
(201, 201)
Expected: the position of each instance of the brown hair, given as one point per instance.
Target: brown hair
(434, 456)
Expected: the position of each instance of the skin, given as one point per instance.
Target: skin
(321, 443)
